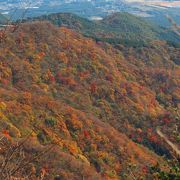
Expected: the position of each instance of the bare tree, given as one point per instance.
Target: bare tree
(25, 4)
(16, 163)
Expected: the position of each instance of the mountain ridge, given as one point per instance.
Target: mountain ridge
(128, 29)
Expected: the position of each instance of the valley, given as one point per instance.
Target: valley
(154, 11)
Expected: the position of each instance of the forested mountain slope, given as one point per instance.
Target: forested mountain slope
(98, 104)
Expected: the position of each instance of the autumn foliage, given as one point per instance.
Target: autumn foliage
(95, 102)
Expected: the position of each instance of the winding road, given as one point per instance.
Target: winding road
(173, 146)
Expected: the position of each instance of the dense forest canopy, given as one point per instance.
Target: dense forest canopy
(87, 108)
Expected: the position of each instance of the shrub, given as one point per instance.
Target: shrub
(50, 122)
(43, 138)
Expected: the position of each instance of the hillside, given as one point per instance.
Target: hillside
(118, 28)
(130, 27)
(71, 20)
(97, 104)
